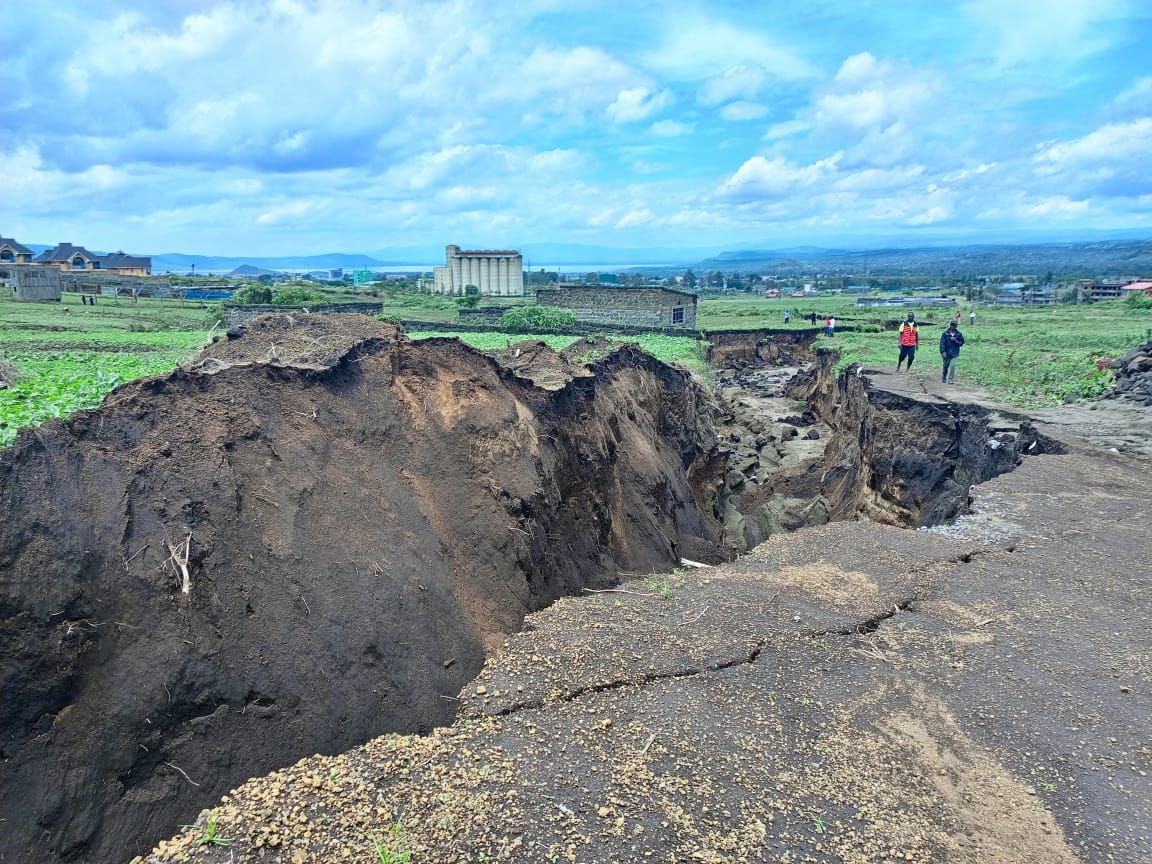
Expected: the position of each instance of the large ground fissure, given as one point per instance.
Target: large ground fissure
(369, 518)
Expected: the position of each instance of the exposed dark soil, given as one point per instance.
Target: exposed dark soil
(368, 518)
(848, 693)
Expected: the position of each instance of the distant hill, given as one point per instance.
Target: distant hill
(251, 271)
(175, 262)
(1097, 258)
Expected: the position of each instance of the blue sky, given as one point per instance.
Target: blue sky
(286, 126)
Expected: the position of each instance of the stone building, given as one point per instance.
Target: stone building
(495, 273)
(624, 306)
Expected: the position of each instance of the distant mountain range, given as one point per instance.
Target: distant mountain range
(1098, 258)
(176, 262)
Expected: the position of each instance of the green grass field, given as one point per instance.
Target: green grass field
(71, 355)
(1031, 356)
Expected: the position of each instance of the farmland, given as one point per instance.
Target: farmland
(70, 355)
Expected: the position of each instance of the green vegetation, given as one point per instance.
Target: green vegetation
(209, 834)
(393, 848)
(69, 356)
(528, 318)
(1030, 356)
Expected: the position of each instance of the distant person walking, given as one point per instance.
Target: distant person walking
(950, 342)
(972, 318)
(832, 326)
(787, 316)
(909, 341)
(812, 317)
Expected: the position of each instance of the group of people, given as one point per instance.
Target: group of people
(951, 341)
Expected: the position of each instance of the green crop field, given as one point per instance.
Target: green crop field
(69, 356)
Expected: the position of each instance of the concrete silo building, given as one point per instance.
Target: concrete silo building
(495, 272)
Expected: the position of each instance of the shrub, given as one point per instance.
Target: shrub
(469, 302)
(1138, 300)
(526, 319)
(297, 296)
(254, 294)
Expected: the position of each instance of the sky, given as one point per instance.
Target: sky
(271, 127)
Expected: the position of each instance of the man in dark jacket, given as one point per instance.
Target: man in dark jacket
(950, 342)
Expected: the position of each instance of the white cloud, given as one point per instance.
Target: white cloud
(774, 178)
(637, 103)
(1029, 31)
(1116, 142)
(671, 128)
(737, 111)
(735, 82)
(867, 93)
(289, 212)
(693, 46)
(787, 129)
(636, 218)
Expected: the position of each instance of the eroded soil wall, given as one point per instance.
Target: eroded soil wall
(907, 461)
(360, 536)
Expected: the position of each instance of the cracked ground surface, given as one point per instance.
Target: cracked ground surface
(847, 693)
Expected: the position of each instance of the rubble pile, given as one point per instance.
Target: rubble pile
(1134, 375)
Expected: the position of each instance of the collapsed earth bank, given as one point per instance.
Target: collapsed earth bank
(367, 517)
(370, 517)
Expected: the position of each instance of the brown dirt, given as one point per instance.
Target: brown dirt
(8, 372)
(740, 717)
(368, 518)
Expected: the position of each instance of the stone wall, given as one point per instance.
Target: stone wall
(237, 313)
(627, 307)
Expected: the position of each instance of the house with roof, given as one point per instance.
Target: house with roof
(12, 252)
(1142, 287)
(77, 259)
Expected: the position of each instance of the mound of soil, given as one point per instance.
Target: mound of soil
(214, 575)
(8, 373)
(302, 339)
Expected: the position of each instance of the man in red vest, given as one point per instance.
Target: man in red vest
(909, 342)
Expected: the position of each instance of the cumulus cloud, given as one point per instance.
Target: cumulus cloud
(760, 177)
(352, 123)
(637, 103)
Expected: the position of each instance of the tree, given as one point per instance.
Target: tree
(591, 278)
(689, 279)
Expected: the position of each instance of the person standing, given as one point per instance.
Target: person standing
(909, 341)
(972, 318)
(950, 342)
(787, 316)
